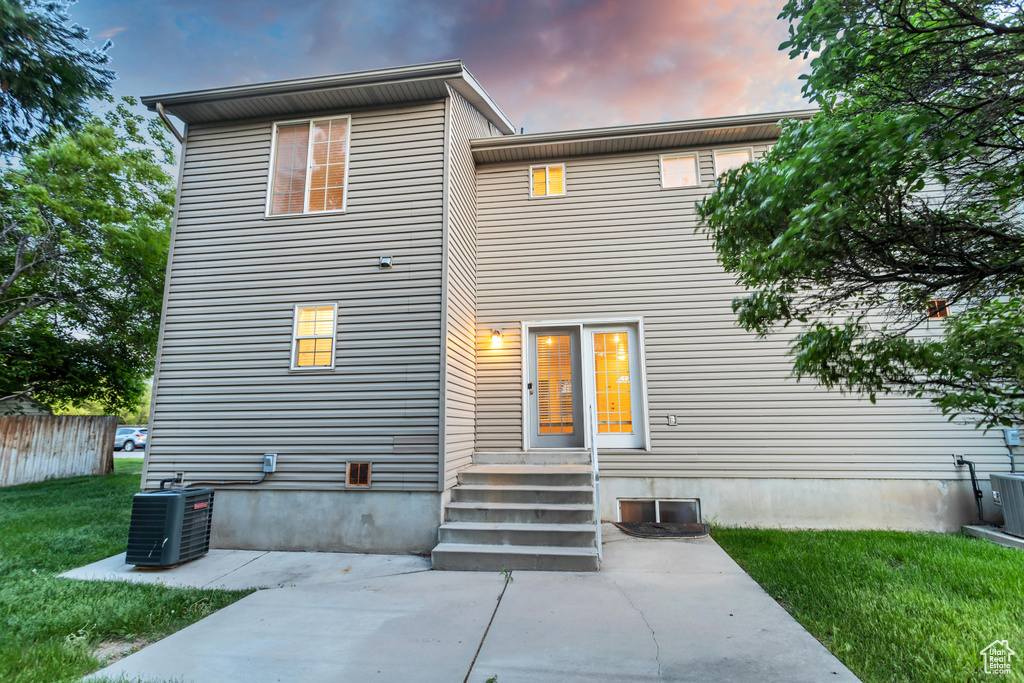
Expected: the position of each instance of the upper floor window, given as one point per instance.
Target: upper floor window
(938, 309)
(679, 170)
(313, 342)
(730, 159)
(547, 181)
(309, 169)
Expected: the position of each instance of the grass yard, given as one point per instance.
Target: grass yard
(57, 629)
(893, 606)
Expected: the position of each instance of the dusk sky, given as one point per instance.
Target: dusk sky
(549, 64)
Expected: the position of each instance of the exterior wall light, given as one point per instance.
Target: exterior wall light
(495, 337)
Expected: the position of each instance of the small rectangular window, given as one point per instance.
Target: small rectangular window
(547, 181)
(309, 167)
(938, 309)
(358, 474)
(731, 159)
(313, 342)
(679, 170)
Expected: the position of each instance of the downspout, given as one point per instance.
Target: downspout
(167, 122)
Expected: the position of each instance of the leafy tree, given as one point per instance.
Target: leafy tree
(47, 74)
(907, 187)
(84, 227)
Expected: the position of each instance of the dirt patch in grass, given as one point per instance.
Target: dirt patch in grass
(109, 651)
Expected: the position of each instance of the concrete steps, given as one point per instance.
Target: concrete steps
(525, 511)
(571, 457)
(482, 558)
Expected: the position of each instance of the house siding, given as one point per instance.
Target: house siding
(619, 245)
(225, 394)
(466, 123)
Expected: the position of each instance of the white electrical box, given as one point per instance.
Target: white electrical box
(1011, 436)
(269, 462)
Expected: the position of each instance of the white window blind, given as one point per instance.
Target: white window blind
(310, 166)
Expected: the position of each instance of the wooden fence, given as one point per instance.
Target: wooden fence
(38, 447)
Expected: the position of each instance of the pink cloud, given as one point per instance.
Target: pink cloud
(608, 62)
(109, 33)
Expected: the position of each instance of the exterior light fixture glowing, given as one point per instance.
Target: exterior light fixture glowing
(495, 337)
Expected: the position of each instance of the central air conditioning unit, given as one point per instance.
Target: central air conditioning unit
(1008, 492)
(169, 527)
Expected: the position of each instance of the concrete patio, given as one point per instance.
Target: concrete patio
(659, 610)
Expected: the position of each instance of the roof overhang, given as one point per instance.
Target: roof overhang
(341, 91)
(732, 130)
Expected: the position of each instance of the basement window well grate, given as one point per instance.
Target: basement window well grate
(661, 518)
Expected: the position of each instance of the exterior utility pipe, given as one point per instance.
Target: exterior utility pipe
(167, 122)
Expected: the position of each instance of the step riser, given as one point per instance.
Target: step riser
(558, 539)
(483, 514)
(461, 495)
(532, 458)
(472, 476)
(493, 562)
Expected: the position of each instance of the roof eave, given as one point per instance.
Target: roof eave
(618, 132)
(452, 72)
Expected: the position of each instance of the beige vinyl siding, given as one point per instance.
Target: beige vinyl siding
(619, 245)
(225, 393)
(465, 123)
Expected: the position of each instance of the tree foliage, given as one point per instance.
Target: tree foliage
(47, 72)
(907, 187)
(84, 227)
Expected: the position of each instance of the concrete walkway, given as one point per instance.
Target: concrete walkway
(659, 610)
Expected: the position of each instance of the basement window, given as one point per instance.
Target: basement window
(358, 474)
(686, 511)
(938, 309)
(547, 181)
(309, 167)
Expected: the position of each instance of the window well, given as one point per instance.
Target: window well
(672, 511)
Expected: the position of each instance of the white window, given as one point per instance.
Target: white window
(313, 340)
(309, 167)
(679, 170)
(547, 181)
(730, 159)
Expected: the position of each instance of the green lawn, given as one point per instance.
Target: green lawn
(893, 606)
(50, 628)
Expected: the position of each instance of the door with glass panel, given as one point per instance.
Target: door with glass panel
(614, 385)
(556, 389)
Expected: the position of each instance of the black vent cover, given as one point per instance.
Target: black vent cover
(169, 527)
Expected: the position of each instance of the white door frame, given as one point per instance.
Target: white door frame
(526, 358)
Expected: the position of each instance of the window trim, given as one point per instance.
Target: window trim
(547, 181)
(716, 152)
(661, 168)
(293, 364)
(309, 176)
(369, 475)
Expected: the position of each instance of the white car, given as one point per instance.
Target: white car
(128, 439)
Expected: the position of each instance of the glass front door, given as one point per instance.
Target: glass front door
(556, 389)
(614, 385)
